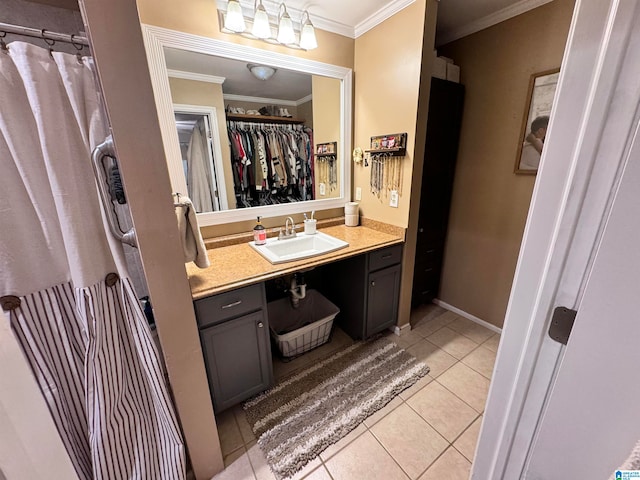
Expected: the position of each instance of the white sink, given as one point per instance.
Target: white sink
(301, 246)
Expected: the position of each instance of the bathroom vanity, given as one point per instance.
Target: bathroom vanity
(363, 280)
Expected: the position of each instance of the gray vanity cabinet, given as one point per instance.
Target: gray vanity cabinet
(366, 288)
(234, 332)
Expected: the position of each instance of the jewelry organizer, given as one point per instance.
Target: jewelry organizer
(386, 154)
(327, 164)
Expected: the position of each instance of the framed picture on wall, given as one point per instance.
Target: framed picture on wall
(542, 88)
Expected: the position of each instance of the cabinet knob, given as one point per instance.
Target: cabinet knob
(373, 284)
(421, 230)
(260, 325)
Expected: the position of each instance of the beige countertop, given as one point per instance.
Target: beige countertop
(239, 265)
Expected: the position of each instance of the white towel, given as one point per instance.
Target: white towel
(192, 243)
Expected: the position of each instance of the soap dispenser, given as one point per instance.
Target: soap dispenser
(259, 233)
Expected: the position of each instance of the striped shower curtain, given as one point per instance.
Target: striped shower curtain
(64, 286)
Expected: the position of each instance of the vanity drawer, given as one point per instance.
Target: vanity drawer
(218, 308)
(385, 257)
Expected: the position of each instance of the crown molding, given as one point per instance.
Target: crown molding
(380, 16)
(267, 101)
(490, 20)
(302, 100)
(200, 77)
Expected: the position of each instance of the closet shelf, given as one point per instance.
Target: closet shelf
(236, 117)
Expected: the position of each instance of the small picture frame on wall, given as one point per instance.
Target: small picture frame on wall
(542, 89)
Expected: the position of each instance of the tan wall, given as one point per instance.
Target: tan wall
(388, 60)
(192, 92)
(490, 203)
(305, 112)
(326, 118)
(200, 17)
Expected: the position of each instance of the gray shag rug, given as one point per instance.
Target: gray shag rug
(315, 407)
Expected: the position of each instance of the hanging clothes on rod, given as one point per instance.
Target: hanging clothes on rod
(271, 163)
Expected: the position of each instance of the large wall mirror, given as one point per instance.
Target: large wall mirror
(240, 145)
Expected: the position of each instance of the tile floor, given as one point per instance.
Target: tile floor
(428, 432)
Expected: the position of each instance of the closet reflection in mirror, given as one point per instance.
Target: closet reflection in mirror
(259, 149)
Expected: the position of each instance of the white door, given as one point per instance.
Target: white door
(591, 134)
(592, 419)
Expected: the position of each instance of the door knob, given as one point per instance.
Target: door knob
(260, 325)
(373, 284)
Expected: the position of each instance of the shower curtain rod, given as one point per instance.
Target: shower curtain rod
(44, 34)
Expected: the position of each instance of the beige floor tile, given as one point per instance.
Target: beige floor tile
(331, 450)
(240, 469)
(492, 343)
(229, 432)
(436, 359)
(425, 313)
(466, 443)
(481, 360)
(406, 339)
(380, 414)
(309, 467)
(445, 412)
(452, 342)
(411, 441)
(467, 384)
(416, 387)
(243, 425)
(431, 325)
(450, 466)
(233, 456)
(470, 329)
(259, 463)
(319, 473)
(364, 459)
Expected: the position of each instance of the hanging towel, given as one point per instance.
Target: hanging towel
(192, 243)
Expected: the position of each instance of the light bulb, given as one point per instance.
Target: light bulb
(261, 27)
(308, 37)
(234, 20)
(286, 34)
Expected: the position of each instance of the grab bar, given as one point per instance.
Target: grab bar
(107, 149)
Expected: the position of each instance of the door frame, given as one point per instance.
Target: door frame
(592, 124)
(214, 150)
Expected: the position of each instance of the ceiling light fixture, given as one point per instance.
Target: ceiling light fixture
(261, 28)
(268, 26)
(234, 20)
(261, 72)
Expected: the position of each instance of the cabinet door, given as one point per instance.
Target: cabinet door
(382, 299)
(238, 359)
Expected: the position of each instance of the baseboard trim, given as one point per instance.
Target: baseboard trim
(400, 330)
(466, 315)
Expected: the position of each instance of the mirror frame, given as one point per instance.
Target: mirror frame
(157, 38)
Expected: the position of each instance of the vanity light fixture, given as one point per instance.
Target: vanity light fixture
(308, 33)
(261, 28)
(286, 35)
(234, 19)
(261, 72)
(266, 25)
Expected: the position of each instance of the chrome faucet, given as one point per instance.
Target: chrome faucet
(289, 229)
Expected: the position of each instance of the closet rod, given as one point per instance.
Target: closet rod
(45, 34)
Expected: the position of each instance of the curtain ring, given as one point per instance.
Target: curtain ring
(49, 41)
(78, 46)
(3, 45)
(10, 302)
(111, 279)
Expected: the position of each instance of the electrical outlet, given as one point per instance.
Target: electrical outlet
(393, 199)
(323, 189)
(358, 193)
